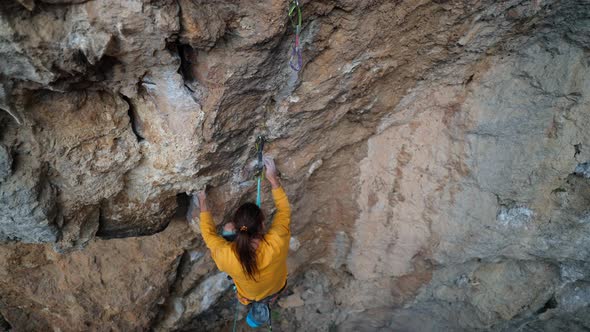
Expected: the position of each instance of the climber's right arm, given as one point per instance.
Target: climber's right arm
(281, 223)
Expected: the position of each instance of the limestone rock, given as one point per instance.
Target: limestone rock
(291, 301)
(203, 23)
(502, 278)
(28, 208)
(87, 141)
(28, 4)
(118, 221)
(574, 296)
(435, 154)
(119, 290)
(5, 163)
(85, 41)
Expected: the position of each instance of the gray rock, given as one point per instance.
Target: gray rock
(583, 169)
(435, 154)
(574, 296)
(28, 209)
(517, 216)
(5, 163)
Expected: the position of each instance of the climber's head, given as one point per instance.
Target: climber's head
(249, 223)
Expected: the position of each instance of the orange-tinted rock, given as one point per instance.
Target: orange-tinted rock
(435, 154)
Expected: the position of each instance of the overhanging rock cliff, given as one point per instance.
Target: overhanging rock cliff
(435, 152)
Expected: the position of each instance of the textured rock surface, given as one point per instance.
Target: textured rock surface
(5, 163)
(436, 154)
(86, 290)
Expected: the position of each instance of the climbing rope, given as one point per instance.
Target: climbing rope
(237, 306)
(260, 166)
(296, 60)
(258, 191)
(269, 319)
(259, 174)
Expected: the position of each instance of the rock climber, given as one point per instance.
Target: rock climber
(256, 259)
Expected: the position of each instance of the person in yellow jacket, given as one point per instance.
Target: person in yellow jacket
(257, 259)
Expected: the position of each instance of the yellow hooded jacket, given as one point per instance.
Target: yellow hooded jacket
(271, 253)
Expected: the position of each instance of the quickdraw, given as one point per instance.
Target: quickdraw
(260, 168)
(296, 60)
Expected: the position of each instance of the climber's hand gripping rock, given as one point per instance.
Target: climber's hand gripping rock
(271, 172)
(202, 197)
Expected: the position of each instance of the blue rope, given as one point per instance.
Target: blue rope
(260, 166)
(258, 196)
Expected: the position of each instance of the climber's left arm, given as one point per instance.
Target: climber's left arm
(193, 212)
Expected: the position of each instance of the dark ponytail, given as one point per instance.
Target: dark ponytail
(248, 220)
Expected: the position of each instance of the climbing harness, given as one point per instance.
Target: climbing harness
(259, 168)
(296, 60)
(258, 315)
(260, 312)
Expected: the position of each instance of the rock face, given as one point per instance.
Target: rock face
(435, 153)
(86, 290)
